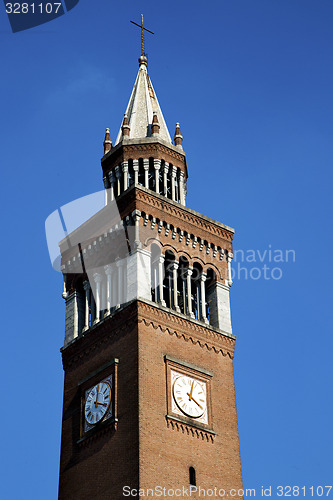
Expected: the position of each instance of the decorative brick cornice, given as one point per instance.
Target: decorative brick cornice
(190, 430)
(132, 149)
(186, 329)
(146, 148)
(177, 211)
(154, 316)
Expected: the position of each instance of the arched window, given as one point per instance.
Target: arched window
(182, 284)
(169, 194)
(141, 176)
(177, 186)
(155, 256)
(168, 285)
(192, 476)
(209, 285)
(160, 177)
(151, 174)
(130, 173)
(196, 290)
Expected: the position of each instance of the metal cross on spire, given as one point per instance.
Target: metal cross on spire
(142, 34)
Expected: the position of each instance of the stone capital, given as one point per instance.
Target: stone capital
(108, 269)
(157, 164)
(136, 214)
(166, 168)
(111, 177)
(98, 278)
(86, 285)
(118, 172)
(230, 256)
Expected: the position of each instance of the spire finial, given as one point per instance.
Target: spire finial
(155, 126)
(142, 36)
(125, 126)
(178, 138)
(107, 142)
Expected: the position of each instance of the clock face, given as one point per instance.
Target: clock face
(190, 396)
(97, 403)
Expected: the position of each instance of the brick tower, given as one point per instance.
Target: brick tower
(149, 397)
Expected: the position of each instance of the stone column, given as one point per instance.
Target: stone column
(107, 189)
(98, 280)
(203, 278)
(173, 178)
(189, 291)
(136, 214)
(114, 285)
(161, 278)
(108, 271)
(154, 281)
(124, 166)
(64, 291)
(86, 286)
(175, 285)
(136, 172)
(146, 169)
(118, 177)
(103, 298)
(184, 291)
(112, 183)
(182, 188)
(229, 259)
(120, 264)
(157, 166)
(165, 178)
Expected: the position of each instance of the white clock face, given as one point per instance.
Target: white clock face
(190, 396)
(97, 403)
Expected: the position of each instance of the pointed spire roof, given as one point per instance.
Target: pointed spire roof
(142, 105)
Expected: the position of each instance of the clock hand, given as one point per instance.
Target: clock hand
(191, 391)
(99, 403)
(196, 402)
(96, 402)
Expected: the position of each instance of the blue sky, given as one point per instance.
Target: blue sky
(250, 82)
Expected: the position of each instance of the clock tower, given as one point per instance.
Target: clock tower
(149, 399)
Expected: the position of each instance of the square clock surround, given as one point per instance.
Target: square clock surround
(188, 394)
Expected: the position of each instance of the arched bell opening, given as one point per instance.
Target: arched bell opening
(182, 284)
(209, 291)
(141, 173)
(130, 173)
(151, 175)
(168, 283)
(196, 290)
(155, 273)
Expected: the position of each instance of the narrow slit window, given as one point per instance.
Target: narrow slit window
(193, 481)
